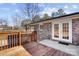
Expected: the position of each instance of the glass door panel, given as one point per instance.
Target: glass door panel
(65, 29)
(56, 30)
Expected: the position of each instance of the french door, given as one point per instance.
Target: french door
(61, 31)
(65, 31)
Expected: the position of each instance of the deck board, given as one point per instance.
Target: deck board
(37, 49)
(15, 51)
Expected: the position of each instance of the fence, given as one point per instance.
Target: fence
(12, 39)
(9, 40)
(31, 37)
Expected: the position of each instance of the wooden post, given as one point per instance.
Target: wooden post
(20, 38)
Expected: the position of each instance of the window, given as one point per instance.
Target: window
(41, 27)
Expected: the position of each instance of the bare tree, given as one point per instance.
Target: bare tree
(3, 22)
(31, 10)
(25, 22)
(16, 20)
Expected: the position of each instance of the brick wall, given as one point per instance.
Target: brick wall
(44, 32)
(75, 31)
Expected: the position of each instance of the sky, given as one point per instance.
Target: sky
(8, 10)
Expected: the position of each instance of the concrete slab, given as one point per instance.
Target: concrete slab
(71, 49)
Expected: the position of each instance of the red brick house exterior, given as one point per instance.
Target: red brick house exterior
(63, 28)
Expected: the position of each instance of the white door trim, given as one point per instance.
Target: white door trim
(60, 28)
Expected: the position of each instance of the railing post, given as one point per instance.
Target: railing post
(20, 38)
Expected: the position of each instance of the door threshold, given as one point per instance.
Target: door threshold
(64, 43)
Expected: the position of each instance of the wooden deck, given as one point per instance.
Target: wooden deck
(37, 49)
(15, 51)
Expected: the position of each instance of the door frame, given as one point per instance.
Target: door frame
(60, 22)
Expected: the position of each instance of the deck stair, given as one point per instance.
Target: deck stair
(15, 51)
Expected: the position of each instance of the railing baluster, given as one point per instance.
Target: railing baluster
(19, 38)
(16, 40)
(12, 40)
(1, 44)
(7, 41)
(4, 42)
